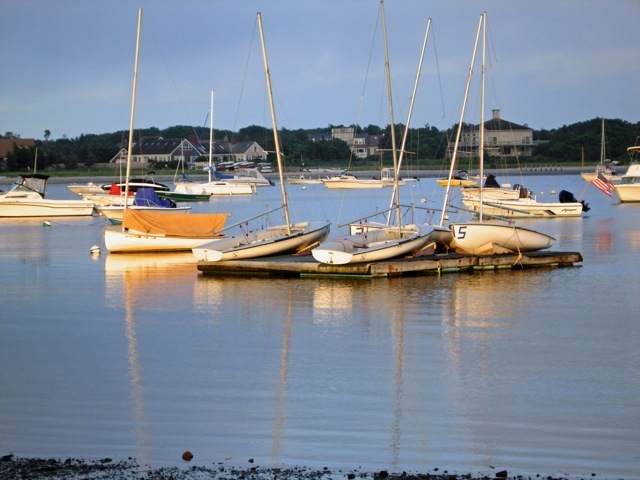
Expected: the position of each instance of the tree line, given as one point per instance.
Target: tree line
(426, 146)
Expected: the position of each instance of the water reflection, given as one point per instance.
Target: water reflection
(138, 282)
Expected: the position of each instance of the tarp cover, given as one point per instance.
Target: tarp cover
(175, 225)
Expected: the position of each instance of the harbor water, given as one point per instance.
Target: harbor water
(533, 371)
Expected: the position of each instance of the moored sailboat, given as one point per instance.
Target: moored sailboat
(481, 237)
(156, 229)
(377, 242)
(275, 240)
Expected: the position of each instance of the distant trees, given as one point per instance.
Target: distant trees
(425, 144)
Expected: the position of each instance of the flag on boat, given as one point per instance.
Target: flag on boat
(603, 184)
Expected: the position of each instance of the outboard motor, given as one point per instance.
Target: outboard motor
(491, 182)
(567, 197)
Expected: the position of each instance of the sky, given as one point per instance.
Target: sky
(67, 65)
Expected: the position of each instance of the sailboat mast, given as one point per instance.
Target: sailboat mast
(276, 137)
(133, 111)
(602, 149)
(483, 19)
(394, 152)
(454, 156)
(210, 135)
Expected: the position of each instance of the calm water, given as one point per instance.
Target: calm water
(533, 371)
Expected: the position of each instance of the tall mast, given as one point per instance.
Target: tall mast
(210, 135)
(394, 152)
(133, 111)
(454, 156)
(276, 137)
(483, 19)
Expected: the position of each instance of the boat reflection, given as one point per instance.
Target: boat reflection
(140, 282)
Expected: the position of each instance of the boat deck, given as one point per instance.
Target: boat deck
(307, 266)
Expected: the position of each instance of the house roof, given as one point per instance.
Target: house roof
(502, 125)
(156, 146)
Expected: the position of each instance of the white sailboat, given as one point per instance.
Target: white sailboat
(381, 242)
(480, 237)
(148, 229)
(214, 185)
(604, 167)
(275, 240)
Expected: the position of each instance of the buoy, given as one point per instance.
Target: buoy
(46, 223)
(304, 188)
(187, 456)
(553, 192)
(95, 250)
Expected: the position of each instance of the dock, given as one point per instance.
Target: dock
(306, 266)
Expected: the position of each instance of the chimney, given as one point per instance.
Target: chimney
(496, 113)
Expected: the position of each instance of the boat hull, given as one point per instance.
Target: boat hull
(118, 241)
(477, 238)
(263, 243)
(350, 182)
(524, 208)
(217, 188)
(373, 245)
(29, 207)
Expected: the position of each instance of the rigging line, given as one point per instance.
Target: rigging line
(435, 51)
(173, 83)
(244, 76)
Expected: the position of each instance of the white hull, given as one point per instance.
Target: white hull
(88, 188)
(350, 182)
(524, 208)
(15, 207)
(373, 245)
(590, 177)
(628, 193)
(217, 188)
(491, 193)
(478, 238)
(251, 176)
(303, 181)
(104, 199)
(262, 243)
(118, 241)
(628, 190)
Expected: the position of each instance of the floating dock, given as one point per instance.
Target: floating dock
(306, 266)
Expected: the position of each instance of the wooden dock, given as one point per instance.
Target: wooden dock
(307, 266)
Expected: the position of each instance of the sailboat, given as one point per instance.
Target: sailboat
(146, 229)
(604, 167)
(381, 242)
(480, 237)
(214, 185)
(274, 240)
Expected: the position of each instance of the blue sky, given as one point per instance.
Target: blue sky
(67, 65)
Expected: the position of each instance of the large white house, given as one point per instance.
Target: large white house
(501, 138)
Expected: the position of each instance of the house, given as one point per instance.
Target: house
(7, 145)
(501, 138)
(189, 150)
(361, 145)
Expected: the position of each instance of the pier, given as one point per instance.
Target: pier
(306, 266)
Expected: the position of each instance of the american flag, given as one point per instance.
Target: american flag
(603, 184)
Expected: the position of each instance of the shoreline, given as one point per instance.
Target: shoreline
(12, 467)
(512, 172)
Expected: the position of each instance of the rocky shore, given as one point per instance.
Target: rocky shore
(15, 468)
